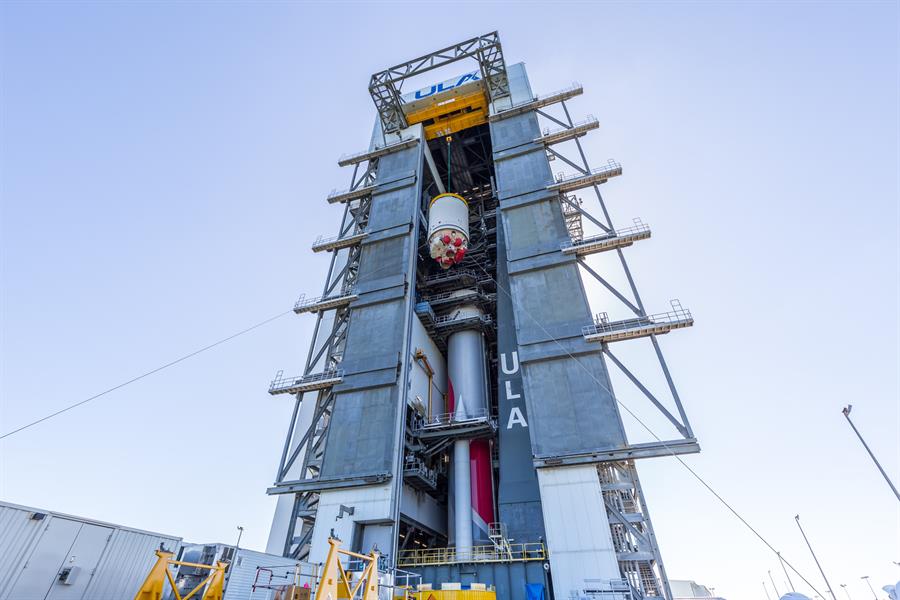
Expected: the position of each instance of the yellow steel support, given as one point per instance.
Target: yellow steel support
(335, 584)
(449, 115)
(152, 588)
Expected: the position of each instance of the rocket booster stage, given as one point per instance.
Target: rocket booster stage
(473, 504)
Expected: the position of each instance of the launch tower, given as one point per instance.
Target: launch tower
(455, 409)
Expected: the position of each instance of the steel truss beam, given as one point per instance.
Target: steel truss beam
(632, 532)
(385, 86)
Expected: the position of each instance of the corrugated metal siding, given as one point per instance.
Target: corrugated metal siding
(17, 536)
(126, 562)
(243, 573)
(578, 536)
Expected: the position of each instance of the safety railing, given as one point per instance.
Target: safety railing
(447, 320)
(290, 385)
(639, 230)
(377, 151)
(418, 470)
(610, 589)
(612, 168)
(475, 554)
(579, 127)
(605, 330)
(540, 101)
(337, 196)
(448, 419)
(450, 275)
(318, 303)
(337, 242)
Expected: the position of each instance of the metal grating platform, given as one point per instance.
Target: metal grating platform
(476, 554)
(337, 197)
(564, 134)
(320, 303)
(450, 323)
(376, 152)
(305, 383)
(447, 426)
(336, 242)
(604, 330)
(539, 102)
(582, 180)
(619, 238)
(420, 477)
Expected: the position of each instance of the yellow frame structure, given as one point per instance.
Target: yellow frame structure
(335, 584)
(152, 589)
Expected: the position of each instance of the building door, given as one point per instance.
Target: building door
(39, 571)
(64, 544)
(75, 573)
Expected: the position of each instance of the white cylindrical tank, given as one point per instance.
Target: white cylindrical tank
(467, 393)
(448, 229)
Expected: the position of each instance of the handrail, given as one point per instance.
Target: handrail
(531, 551)
(304, 302)
(602, 324)
(638, 228)
(611, 166)
(281, 382)
(589, 120)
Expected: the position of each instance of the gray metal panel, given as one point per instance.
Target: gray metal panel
(363, 438)
(373, 337)
(382, 259)
(570, 412)
(518, 495)
(525, 173)
(391, 209)
(361, 443)
(538, 228)
(17, 535)
(397, 164)
(242, 573)
(125, 557)
(550, 303)
(44, 559)
(126, 562)
(515, 131)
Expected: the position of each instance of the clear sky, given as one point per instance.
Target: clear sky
(165, 167)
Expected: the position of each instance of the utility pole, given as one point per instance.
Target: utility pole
(237, 544)
(846, 412)
(808, 545)
(790, 583)
(774, 587)
(866, 577)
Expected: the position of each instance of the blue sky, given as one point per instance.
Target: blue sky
(164, 168)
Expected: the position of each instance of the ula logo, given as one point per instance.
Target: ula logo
(447, 85)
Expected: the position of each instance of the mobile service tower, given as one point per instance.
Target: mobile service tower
(455, 409)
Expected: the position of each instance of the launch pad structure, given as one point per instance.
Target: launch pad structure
(455, 410)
